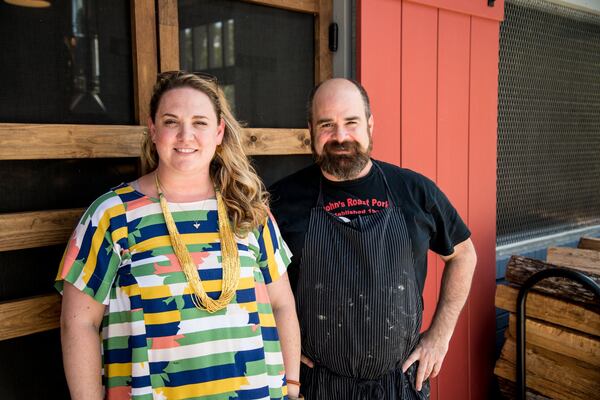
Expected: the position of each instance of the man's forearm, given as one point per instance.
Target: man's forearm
(456, 283)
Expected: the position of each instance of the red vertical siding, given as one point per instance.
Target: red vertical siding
(482, 196)
(419, 81)
(453, 170)
(384, 93)
(445, 68)
(418, 111)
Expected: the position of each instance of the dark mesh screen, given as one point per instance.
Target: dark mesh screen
(30, 185)
(68, 63)
(263, 57)
(548, 121)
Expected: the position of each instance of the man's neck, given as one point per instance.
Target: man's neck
(363, 172)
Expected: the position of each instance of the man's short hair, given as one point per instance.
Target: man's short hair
(361, 89)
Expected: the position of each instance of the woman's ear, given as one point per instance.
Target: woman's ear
(151, 130)
(221, 131)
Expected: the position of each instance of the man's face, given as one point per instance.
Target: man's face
(341, 132)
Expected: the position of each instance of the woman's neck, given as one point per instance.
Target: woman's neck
(178, 188)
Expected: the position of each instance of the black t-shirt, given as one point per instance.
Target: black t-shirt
(432, 221)
(362, 196)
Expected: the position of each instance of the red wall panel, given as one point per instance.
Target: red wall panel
(419, 117)
(384, 46)
(453, 171)
(419, 87)
(482, 198)
(444, 65)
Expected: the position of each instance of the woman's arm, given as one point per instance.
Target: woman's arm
(288, 329)
(80, 321)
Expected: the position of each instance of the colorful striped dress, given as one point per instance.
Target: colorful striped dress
(155, 343)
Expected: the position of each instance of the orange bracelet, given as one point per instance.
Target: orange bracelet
(292, 382)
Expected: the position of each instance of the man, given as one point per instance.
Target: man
(360, 230)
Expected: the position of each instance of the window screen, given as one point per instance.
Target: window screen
(548, 121)
(68, 63)
(263, 57)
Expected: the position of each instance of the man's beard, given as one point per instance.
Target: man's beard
(347, 165)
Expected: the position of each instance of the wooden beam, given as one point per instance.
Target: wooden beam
(551, 309)
(168, 35)
(551, 374)
(582, 259)
(37, 229)
(560, 340)
(306, 6)
(589, 243)
(34, 141)
(519, 269)
(27, 316)
(31, 141)
(261, 141)
(323, 56)
(508, 390)
(143, 21)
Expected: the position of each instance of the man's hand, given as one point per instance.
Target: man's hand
(430, 353)
(456, 282)
(307, 361)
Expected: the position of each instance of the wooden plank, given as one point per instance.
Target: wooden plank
(306, 6)
(589, 243)
(168, 35)
(509, 391)
(560, 340)
(581, 259)
(262, 141)
(551, 374)
(560, 312)
(519, 269)
(323, 56)
(145, 67)
(28, 316)
(37, 141)
(37, 229)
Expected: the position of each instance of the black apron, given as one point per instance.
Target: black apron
(359, 306)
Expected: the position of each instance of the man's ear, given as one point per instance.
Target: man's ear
(371, 123)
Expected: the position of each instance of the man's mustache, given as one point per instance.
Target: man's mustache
(345, 145)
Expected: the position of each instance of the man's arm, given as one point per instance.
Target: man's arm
(456, 282)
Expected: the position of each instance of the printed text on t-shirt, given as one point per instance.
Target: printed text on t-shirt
(355, 206)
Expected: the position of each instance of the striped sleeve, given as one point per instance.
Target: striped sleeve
(93, 253)
(275, 255)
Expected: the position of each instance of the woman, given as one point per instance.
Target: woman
(184, 270)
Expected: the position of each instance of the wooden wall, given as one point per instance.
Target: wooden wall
(431, 69)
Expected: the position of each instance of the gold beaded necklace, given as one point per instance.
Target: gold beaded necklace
(230, 259)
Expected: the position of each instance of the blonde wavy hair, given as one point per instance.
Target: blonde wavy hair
(242, 190)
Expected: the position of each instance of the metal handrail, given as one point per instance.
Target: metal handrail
(521, 300)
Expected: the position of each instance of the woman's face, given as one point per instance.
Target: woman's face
(186, 131)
